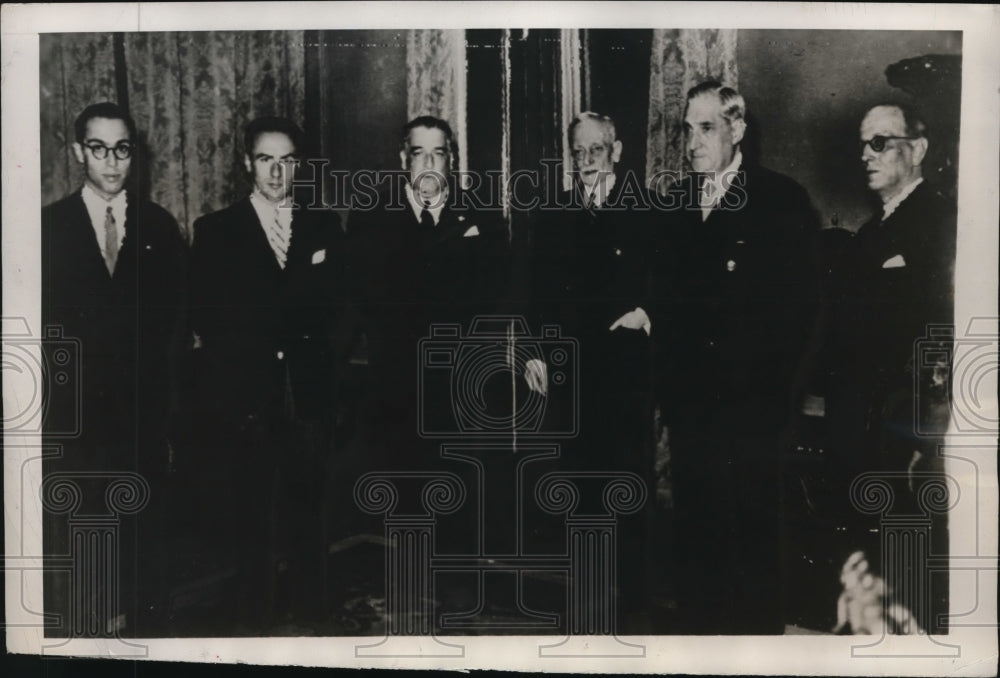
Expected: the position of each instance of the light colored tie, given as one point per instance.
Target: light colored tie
(110, 241)
(278, 236)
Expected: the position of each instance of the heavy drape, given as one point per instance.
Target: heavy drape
(679, 60)
(190, 94)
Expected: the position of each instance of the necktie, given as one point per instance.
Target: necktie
(706, 195)
(278, 236)
(426, 218)
(110, 241)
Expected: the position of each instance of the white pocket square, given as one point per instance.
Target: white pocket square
(473, 231)
(895, 262)
(319, 256)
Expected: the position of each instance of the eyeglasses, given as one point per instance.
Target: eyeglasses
(123, 150)
(595, 151)
(877, 142)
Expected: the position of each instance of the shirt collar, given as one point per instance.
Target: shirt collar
(598, 195)
(267, 210)
(717, 183)
(97, 210)
(417, 204)
(890, 205)
(92, 200)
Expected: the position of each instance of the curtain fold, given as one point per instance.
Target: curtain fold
(679, 60)
(64, 94)
(191, 94)
(436, 81)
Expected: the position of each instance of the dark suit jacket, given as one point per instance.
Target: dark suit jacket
(127, 324)
(737, 297)
(254, 318)
(407, 279)
(879, 313)
(586, 268)
(741, 294)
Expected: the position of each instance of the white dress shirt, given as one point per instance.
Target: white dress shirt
(602, 189)
(418, 204)
(97, 209)
(716, 186)
(267, 212)
(890, 205)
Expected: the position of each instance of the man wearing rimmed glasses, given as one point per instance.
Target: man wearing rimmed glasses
(111, 278)
(586, 271)
(886, 409)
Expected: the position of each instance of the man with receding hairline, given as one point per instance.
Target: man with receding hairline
(737, 277)
(886, 409)
(427, 259)
(588, 266)
(897, 281)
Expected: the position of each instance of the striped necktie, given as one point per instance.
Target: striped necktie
(279, 236)
(110, 241)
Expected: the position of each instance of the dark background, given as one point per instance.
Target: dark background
(806, 92)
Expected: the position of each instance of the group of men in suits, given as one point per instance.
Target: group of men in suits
(705, 310)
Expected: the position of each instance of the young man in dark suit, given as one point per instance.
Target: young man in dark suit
(112, 279)
(738, 281)
(267, 300)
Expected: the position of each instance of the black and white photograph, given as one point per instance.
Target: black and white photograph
(430, 335)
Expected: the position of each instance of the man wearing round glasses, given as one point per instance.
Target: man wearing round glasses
(111, 280)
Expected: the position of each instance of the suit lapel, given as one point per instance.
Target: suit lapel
(83, 232)
(303, 238)
(258, 247)
(128, 251)
(450, 225)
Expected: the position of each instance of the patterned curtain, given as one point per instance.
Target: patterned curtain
(679, 60)
(435, 81)
(64, 92)
(191, 95)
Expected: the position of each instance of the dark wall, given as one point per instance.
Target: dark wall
(619, 87)
(360, 98)
(807, 92)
